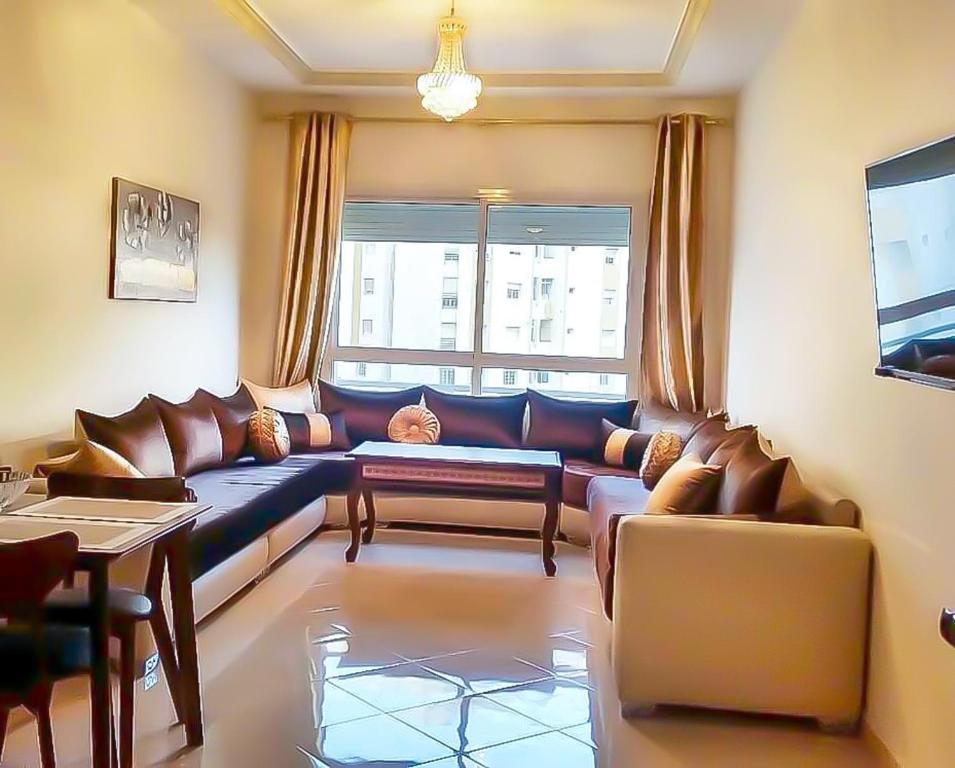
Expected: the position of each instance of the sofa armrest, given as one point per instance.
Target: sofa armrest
(742, 615)
(168, 489)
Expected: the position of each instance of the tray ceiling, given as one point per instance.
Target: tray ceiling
(514, 43)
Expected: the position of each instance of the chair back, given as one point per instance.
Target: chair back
(172, 490)
(29, 571)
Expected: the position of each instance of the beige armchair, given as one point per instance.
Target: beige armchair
(741, 615)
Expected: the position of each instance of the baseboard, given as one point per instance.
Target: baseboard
(876, 744)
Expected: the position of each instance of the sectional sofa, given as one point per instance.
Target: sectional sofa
(758, 602)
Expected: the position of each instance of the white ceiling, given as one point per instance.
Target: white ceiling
(678, 47)
(503, 35)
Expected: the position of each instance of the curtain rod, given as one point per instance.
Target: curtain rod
(608, 121)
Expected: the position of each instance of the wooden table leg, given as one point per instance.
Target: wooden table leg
(184, 622)
(354, 524)
(101, 717)
(370, 515)
(159, 623)
(549, 529)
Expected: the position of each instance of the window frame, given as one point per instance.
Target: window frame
(477, 359)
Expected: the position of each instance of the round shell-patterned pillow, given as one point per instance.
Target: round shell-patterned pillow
(414, 424)
(662, 452)
(268, 436)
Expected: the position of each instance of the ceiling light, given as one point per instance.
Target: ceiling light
(534, 230)
(449, 90)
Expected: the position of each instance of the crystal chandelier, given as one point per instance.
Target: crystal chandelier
(449, 90)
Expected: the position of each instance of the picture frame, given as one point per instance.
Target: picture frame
(154, 244)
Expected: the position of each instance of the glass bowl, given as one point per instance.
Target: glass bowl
(12, 486)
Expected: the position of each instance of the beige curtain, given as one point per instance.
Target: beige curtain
(672, 356)
(317, 164)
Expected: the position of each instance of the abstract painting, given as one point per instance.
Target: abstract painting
(154, 244)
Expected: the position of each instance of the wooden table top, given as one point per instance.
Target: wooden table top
(455, 454)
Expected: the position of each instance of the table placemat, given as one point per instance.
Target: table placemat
(119, 510)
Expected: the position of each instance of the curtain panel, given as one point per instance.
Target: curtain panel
(672, 354)
(317, 170)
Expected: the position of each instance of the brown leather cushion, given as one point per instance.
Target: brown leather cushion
(573, 427)
(366, 413)
(269, 440)
(610, 500)
(654, 417)
(136, 435)
(316, 432)
(689, 487)
(479, 422)
(706, 437)
(732, 440)
(623, 447)
(193, 434)
(232, 413)
(752, 481)
(577, 476)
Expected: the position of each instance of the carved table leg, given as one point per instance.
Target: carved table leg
(549, 530)
(354, 525)
(371, 516)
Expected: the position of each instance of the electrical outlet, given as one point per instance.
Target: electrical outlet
(150, 680)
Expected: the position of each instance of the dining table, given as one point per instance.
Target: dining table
(109, 530)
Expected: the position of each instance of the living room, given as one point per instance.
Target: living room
(413, 535)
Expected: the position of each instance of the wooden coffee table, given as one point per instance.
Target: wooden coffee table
(455, 472)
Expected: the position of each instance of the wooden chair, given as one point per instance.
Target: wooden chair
(34, 654)
(128, 606)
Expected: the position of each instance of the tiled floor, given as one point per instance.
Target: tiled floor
(445, 651)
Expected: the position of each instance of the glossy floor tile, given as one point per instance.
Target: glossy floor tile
(433, 650)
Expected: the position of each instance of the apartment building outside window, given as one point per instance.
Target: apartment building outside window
(418, 323)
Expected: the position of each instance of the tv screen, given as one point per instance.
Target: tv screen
(912, 223)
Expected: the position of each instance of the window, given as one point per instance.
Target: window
(449, 336)
(547, 330)
(416, 258)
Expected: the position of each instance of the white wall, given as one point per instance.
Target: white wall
(852, 82)
(538, 164)
(91, 89)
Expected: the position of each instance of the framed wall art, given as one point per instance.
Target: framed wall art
(154, 244)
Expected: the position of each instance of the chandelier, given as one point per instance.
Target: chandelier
(449, 90)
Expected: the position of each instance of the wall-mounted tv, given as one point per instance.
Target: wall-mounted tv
(912, 227)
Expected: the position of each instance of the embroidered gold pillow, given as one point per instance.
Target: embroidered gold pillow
(268, 436)
(662, 452)
(414, 424)
(317, 432)
(623, 447)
